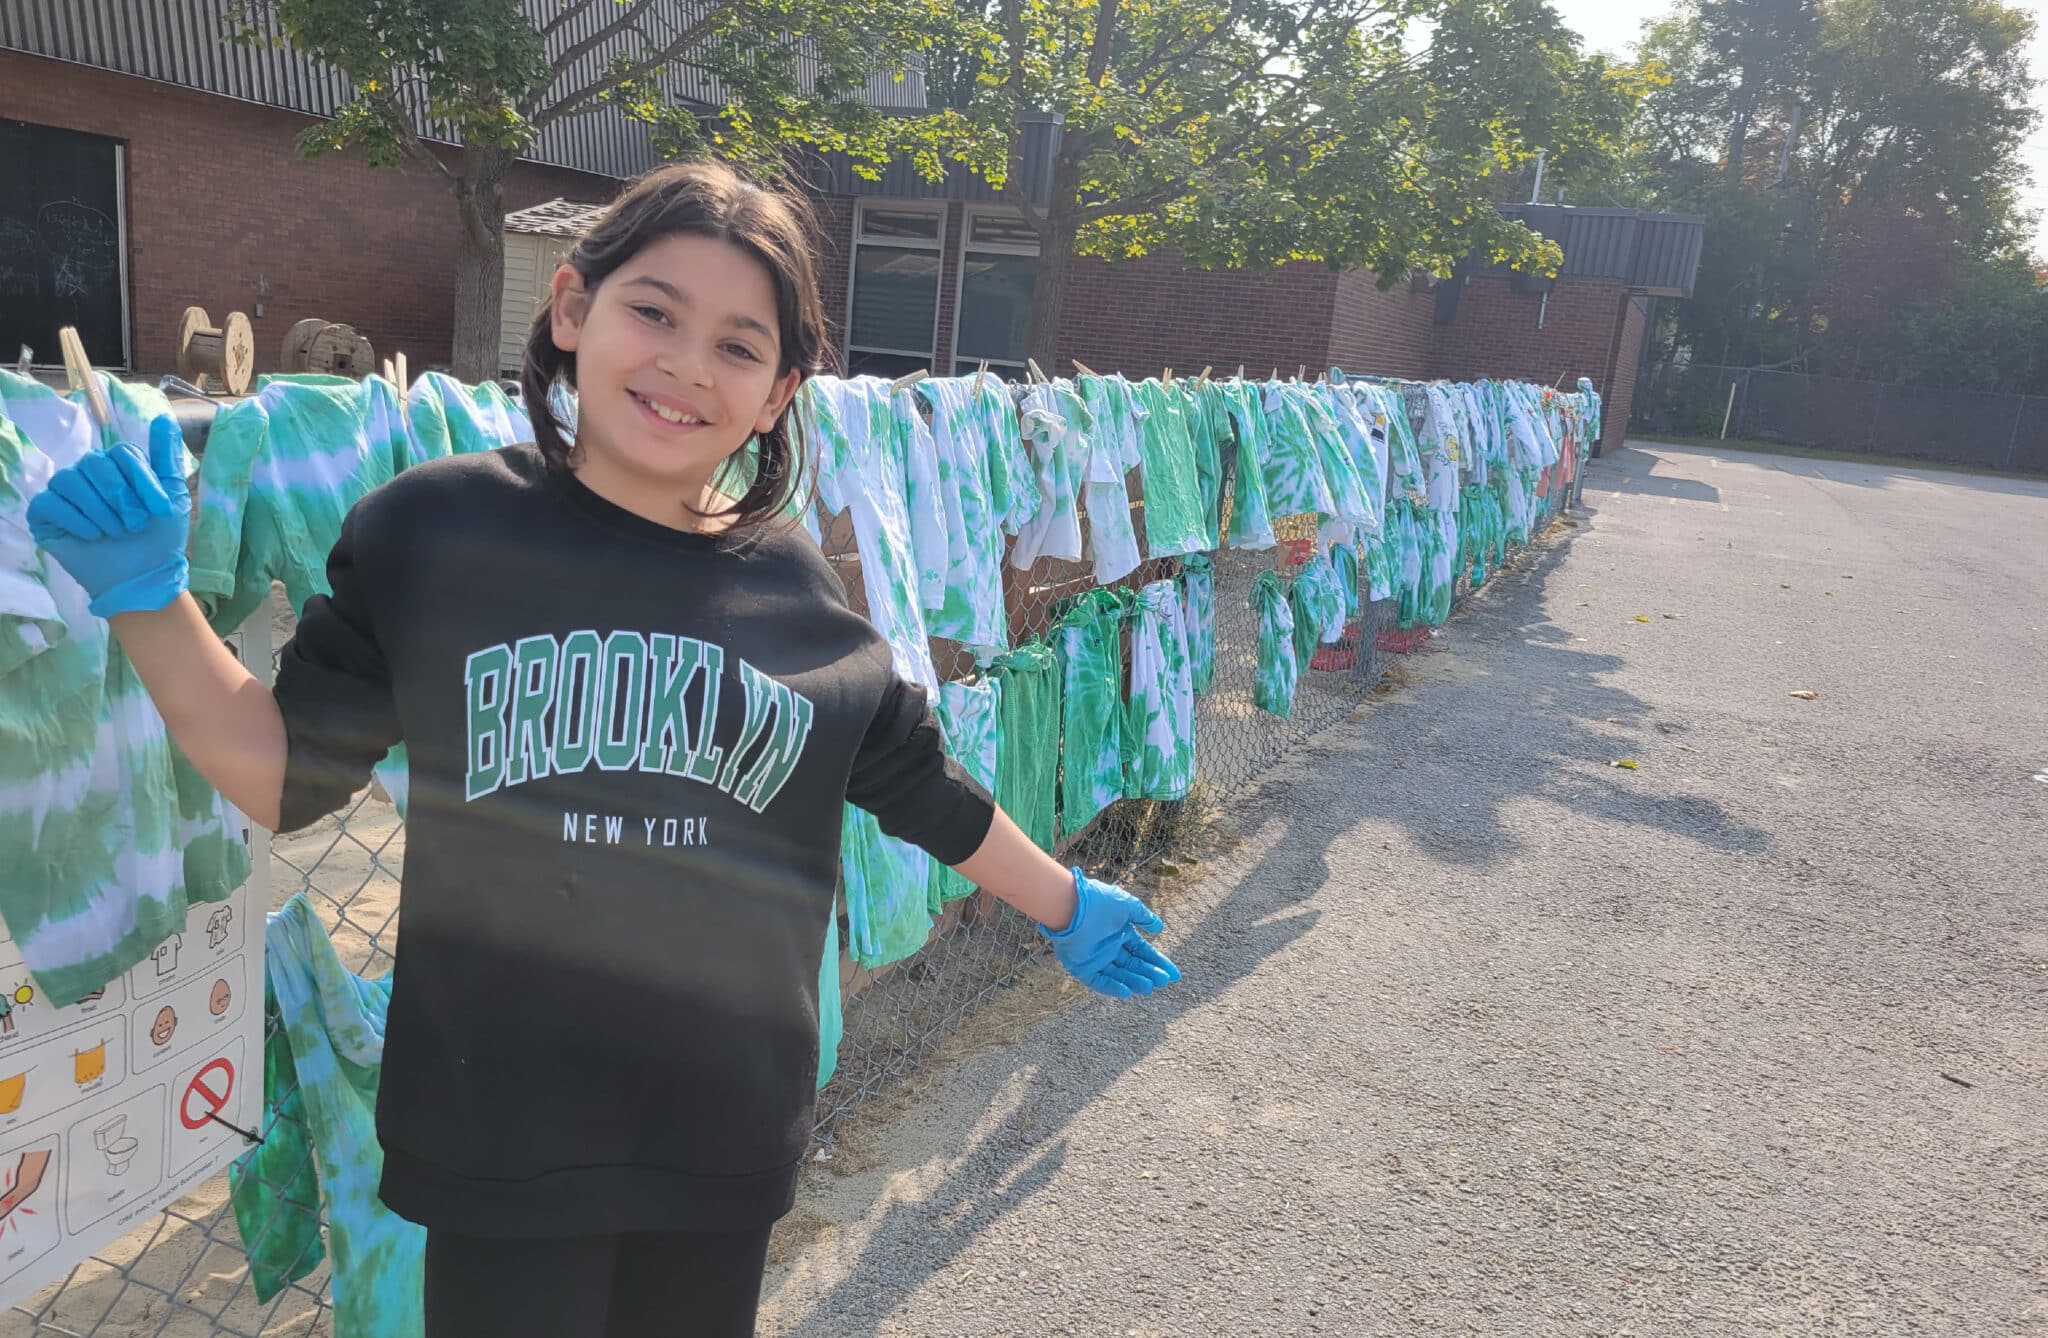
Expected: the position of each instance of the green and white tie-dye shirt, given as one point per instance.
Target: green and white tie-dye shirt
(1055, 424)
(284, 466)
(974, 489)
(1159, 720)
(107, 832)
(1295, 482)
(1112, 538)
(1173, 489)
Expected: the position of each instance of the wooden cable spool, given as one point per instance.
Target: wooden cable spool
(226, 353)
(338, 350)
(326, 348)
(296, 341)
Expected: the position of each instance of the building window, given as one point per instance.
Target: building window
(992, 311)
(892, 324)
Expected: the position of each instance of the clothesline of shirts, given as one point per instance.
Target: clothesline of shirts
(934, 472)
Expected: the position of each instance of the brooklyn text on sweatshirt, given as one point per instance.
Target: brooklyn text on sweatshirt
(622, 701)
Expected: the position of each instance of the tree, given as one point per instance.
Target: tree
(1766, 44)
(1991, 334)
(497, 73)
(1892, 131)
(1251, 132)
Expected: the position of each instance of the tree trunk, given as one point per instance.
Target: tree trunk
(480, 265)
(1049, 292)
(1738, 132)
(1056, 255)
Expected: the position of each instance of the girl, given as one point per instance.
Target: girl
(634, 707)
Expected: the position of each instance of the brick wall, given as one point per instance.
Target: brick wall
(223, 214)
(835, 265)
(1495, 334)
(1376, 333)
(1140, 316)
(1618, 392)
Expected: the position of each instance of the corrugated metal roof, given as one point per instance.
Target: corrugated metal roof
(183, 42)
(1651, 253)
(1668, 254)
(556, 218)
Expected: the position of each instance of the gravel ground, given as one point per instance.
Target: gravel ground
(1483, 1034)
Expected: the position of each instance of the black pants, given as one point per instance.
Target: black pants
(680, 1284)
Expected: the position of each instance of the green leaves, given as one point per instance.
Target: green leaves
(1898, 126)
(1253, 132)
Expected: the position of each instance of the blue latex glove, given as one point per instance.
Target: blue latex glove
(118, 521)
(1103, 948)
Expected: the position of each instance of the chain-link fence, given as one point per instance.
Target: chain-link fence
(186, 1274)
(1994, 431)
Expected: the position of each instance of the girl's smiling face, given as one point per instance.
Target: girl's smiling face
(677, 366)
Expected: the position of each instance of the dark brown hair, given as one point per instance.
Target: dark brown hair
(704, 199)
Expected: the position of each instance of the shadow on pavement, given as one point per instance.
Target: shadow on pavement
(1876, 472)
(1441, 760)
(1634, 469)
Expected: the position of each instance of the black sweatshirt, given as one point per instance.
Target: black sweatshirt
(629, 749)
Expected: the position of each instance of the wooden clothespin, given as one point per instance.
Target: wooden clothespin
(1240, 371)
(1083, 368)
(402, 381)
(1167, 376)
(982, 370)
(1203, 379)
(908, 380)
(1037, 372)
(391, 372)
(1301, 372)
(78, 370)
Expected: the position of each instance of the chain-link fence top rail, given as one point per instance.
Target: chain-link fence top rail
(186, 1275)
(1970, 427)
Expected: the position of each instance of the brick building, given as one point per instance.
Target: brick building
(152, 168)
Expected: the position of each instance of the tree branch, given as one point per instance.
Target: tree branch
(1158, 59)
(1104, 39)
(1136, 204)
(628, 17)
(409, 138)
(571, 101)
(566, 17)
(1011, 19)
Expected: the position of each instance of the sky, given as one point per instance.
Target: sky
(1613, 26)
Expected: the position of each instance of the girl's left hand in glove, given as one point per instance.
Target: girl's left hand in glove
(1104, 947)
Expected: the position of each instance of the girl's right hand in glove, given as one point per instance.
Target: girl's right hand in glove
(118, 521)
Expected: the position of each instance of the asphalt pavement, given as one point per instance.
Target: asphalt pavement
(1484, 1033)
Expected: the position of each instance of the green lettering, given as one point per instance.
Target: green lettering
(785, 745)
(577, 702)
(533, 691)
(669, 744)
(485, 676)
(620, 704)
(760, 690)
(704, 754)
(667, 676)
